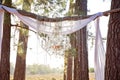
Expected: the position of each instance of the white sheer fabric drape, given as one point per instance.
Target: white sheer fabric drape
(1, 27)
(99, 57)
(66, 28)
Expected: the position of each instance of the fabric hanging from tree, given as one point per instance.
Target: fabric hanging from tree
(99, 56)
(65, 27)
(1, 27)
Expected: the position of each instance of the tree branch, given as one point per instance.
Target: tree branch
(44, 18)
(58, 19)
(16, 25)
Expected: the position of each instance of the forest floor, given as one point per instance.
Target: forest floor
(50, 77)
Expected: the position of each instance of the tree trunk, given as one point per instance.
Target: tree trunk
(5, 51)
(20, 68)
(81, 60)
(112, 67)
(65, 67)
(69, 56)
(69, 67)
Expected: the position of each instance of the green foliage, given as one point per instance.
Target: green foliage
(71, 51)
(41, 69)
(71, 8)
(51, 8)
(38, 69)
(91, 70)
(20, 2)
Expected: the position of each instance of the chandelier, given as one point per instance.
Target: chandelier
(55, 42)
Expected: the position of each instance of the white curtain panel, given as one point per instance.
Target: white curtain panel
(1, 27)
(99, 57)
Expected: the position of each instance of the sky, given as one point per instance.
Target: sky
(96, 6)
(36, 55)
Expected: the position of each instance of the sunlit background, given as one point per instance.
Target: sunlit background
(37, 55)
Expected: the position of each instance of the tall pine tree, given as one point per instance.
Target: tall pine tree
(5, 51)
(112, 67)
(81, 60)
(20, 67)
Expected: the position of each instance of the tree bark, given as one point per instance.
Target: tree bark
(81, 60)
(20, 68)
(5, 51)
(65, 67)
(69, 56)
(112, 67)
(69, 67)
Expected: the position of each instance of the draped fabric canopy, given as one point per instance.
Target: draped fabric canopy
(62, 27)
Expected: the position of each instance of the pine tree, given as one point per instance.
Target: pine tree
(112, 66)
(81, 59)
(5, 51)
(20, 67)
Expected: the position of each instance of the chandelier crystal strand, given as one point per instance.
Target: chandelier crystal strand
(54, 43)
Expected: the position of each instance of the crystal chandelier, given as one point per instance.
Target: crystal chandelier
(55, 42)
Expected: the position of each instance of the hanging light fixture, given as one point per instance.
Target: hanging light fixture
(55, 42)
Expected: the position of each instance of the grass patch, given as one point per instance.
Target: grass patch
(51, 77)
